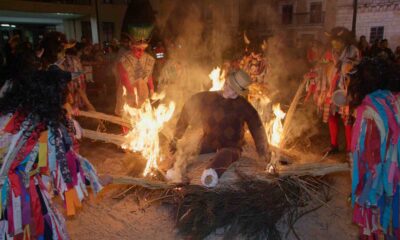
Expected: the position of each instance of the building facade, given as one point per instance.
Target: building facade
(376, 19)
(306, 20)
(96, 20)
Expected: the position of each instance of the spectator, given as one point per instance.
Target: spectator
(363, 46)
(10, 51)
(397, 55)
(87, 61)
(98, 53)
(124, 45)
(385, 52)
(375, 48)
(77, 86)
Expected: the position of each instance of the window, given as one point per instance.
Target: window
(108, 31)
(86, 30)
(376, 33)
(287, 14)
(316, 12)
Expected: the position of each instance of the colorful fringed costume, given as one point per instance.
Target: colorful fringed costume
(376, 161)
(36, 159)
(255, 64)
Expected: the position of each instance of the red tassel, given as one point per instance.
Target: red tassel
(38, 221)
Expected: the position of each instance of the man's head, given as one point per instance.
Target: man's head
(236, 83)
(384, 43)
(340, 37)
(54, 45)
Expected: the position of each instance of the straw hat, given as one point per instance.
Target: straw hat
(239, 81)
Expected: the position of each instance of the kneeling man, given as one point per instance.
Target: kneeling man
(223, 116)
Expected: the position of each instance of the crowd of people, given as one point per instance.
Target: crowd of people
(43, 87)
(360, 85)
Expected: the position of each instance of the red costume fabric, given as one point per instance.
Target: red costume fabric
(135, 70)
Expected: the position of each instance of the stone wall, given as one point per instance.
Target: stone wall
(385, 14)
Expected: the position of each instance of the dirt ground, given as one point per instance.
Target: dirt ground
(103, 217)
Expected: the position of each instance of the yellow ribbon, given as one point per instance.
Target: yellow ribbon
(43, 149)
(72, 201)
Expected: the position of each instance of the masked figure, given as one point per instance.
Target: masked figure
(135, 69)
(339, 60)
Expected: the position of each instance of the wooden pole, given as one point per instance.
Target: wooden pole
(105, 137)
(312, 169)
(106, 117)
(290, 114)
(354, 22)
(143, 182)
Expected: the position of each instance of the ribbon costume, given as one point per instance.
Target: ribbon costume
(38, 149)
(339, 61)
(376, 161)
(35, 157)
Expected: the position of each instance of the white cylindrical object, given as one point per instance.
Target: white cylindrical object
(209, 178)
(339, 98)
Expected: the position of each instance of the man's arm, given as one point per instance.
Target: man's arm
(183, 121)
(149, 62)
(185, 117)
(123, 75)
(257, 131)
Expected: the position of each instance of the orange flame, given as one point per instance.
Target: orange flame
(217, 78)
(146, 123)
(275, 128)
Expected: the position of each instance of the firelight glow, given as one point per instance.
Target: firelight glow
(275, 129)
(217, 78)
(146, 123)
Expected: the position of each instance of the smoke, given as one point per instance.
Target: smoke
(198, 34)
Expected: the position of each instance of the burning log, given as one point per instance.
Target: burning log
(311, 169)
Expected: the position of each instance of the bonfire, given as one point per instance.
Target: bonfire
(251, 206)
(146, 124)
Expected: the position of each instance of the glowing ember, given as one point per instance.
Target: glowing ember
(146, 123)
(217, 78)
(275, 128)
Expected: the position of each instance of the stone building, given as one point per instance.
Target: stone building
(376, 19)
(306, 19)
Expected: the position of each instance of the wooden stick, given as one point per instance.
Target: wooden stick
(290, 114)
(312, 169)
(146, 183)
(106, 117)
(105, 137)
